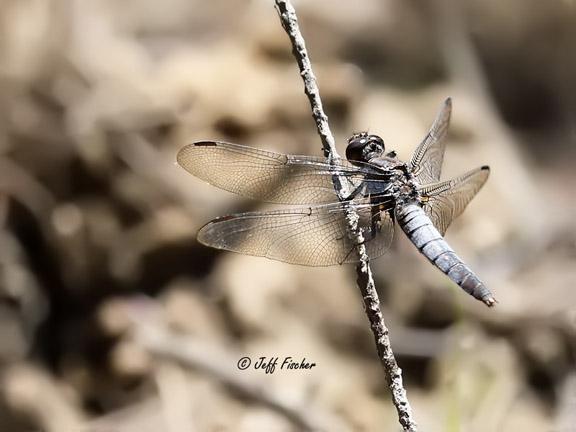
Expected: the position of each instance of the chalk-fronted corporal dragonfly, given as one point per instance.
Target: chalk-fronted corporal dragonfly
(381, 190)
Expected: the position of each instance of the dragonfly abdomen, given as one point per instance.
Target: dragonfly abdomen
(420, 230)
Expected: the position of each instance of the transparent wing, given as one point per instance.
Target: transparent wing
(445, 201)
(426, 163)
(272, 177)
(312, 236)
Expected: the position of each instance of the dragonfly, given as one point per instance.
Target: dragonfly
(376, 185)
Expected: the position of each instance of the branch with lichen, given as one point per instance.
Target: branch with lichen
(365, 279)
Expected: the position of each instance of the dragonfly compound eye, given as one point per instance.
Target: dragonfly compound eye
(363, 147)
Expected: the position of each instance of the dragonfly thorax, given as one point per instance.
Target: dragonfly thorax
(404, 188)
(364, 148)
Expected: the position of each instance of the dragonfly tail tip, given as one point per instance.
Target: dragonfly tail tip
(489, 301)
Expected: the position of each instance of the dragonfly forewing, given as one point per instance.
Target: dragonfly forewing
(426, 163)
(273, 177)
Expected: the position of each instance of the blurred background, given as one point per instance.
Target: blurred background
(114, 319)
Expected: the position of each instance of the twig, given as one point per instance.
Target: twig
(289, 21)
(365, 279)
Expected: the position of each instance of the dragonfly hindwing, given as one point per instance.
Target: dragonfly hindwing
(445, 201)
(313, 236)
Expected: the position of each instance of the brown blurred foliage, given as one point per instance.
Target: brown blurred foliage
(103, 287)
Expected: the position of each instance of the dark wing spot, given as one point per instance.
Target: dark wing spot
(223, 218)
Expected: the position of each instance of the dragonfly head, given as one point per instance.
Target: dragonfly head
(363, 147)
